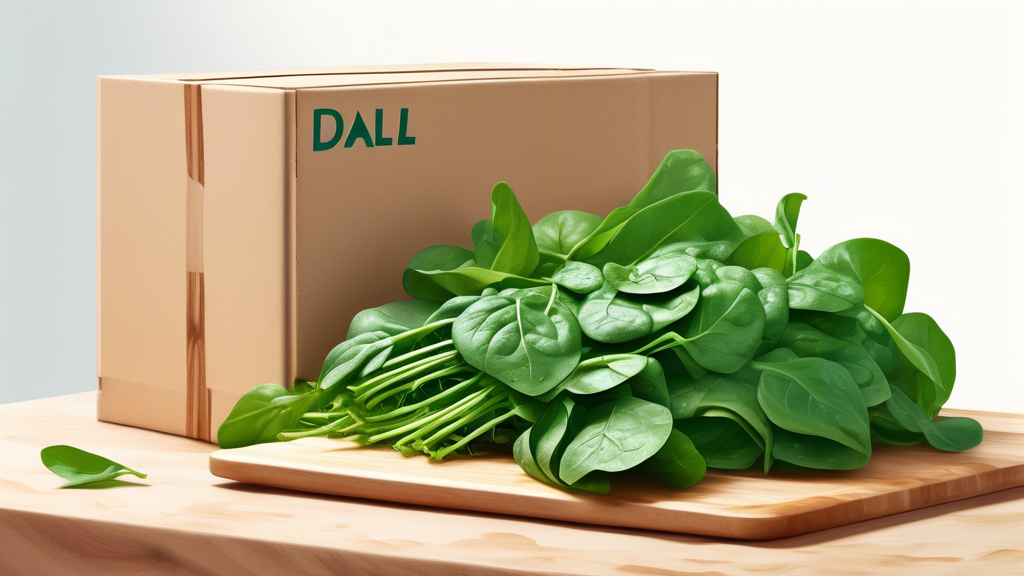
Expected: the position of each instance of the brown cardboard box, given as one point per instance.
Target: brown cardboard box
(234, 249)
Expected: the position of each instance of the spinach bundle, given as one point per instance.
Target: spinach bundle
(665, 338)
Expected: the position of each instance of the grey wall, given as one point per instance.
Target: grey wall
(899, 120)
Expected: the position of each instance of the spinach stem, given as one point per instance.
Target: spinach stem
(320, 431)
(442, 395)
(427, 420)
(408, 370)
(465, 419)
(418, 352)
(416, 333)
(415, 383)
(468, 438)
(551, 301)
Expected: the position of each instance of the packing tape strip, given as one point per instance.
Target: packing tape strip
(197, 419)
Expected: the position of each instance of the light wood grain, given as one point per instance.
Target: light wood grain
(183, 520)
(732, 504)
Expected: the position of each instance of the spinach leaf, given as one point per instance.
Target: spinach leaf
(558, 425)
(79, 467)
(787, 212)
(692, 398)
(882, 270)
(486, 242)
(822, 289)
(603, 373)
(393, 318)
(263, 413)
(356, 357)
(433, 259)
(529, 342)
(726, 328)
(950, 434)
(751, 224)
(466, 281)
(807, 342)
(927, 367)
(610, 317)
(722, 440)
(677, 464)
(650, 384)
(538, 450)
(677, 218)
(559, 232)
(738, 274)
(617, 436)
(761, 250)
(526, 407)
(816, 452)
(815, 397)
(579, 277)
(774, 296)
(680, 171)
(452, 308)
(518, 252)
(664, 270)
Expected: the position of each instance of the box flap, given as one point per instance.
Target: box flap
(300, 82)
(492, 67)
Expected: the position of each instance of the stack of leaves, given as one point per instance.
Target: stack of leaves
(666, 338)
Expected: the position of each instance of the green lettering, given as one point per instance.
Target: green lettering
(380, 140)
(358, 132)
(403, 128)
(339, 126)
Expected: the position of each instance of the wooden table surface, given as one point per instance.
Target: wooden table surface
(183, 520)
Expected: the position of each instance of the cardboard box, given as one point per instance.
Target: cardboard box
(240, 229)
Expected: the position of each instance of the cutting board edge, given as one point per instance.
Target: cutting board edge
(762, 525)
(241, 469)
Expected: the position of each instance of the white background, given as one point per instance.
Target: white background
(900, 120)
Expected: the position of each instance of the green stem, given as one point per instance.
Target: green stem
(412, 407)
(469, 438)
(462, 421)
(430, 419)
(400, 374)
(418, 352)
(370, 428)
(418, 333)
(675, 339)
(321, 431)
(414, 384)
(551, 301)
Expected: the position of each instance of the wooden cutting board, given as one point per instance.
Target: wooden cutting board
(733, 504)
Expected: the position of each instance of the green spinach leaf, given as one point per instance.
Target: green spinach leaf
(722, 439)
(881, 269)
(726, 328)
(79, 467)
(617, 436)
(677, 464)
(559, 232)
(262, 414)
(927, 367)
(808, 342)
(815, 397)
(579, 277)
(816, 452)
(611, 317)
(680, 171)
(529, 342)
(950, 434)
(666, 269)
(678, 218)
(518, 253)
(393, 318)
